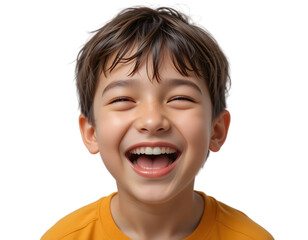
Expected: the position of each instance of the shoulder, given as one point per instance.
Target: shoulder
(81, 220)
(235, 223)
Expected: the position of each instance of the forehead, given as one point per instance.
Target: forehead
(124, 76)
(154, 67)
(148, 70)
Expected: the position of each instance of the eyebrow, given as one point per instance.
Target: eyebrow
(180, 82)
(118, 83)
(171, 83)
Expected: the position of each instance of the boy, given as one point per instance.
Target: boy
(152, 96)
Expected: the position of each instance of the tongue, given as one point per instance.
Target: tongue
(158, 162)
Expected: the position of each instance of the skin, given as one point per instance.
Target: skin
(130, 110)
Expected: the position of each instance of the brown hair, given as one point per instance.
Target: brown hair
(151, 32)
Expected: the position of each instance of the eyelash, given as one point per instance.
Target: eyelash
(126, 99)
(121, 99)
(181, 98)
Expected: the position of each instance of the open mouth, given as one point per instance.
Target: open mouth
(149, 158)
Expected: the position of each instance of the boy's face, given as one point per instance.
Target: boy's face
(170, 120)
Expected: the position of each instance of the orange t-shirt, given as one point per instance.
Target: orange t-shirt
(94, 221)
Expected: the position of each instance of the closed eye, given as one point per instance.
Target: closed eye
(121, 99)
(181, 98)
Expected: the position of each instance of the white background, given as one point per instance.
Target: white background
(46, 172)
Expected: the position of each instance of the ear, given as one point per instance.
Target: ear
(88, 134)
(219, 131)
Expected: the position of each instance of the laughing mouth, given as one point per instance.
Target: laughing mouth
(152, 157)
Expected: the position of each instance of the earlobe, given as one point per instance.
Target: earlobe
(88, 134)
(219, 131)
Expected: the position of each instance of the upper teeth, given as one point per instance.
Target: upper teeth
(152, 151)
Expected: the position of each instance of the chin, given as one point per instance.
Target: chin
(155, 193)
(152, 193)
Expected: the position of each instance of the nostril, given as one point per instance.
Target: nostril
(152, 124)
(161, 129)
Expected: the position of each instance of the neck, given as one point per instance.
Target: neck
(175, 218)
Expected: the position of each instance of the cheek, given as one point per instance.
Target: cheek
(195, 125)
(196, 129)
(109, 135)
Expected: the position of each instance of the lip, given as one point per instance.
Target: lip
(153, 173)
(153, 144)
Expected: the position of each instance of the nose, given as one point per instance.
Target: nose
(151, 119)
